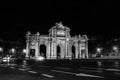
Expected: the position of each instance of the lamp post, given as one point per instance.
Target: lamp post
(115, 50)
(12, 51)
(1, 51)
(99, 50)
(24, 50)
(24, 61)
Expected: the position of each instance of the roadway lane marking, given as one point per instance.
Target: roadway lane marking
(117, 73)
(46, 75)
(88, 75)
(113, 70)
(5, 66)
(91, 70)
(28, 68)
(21, 69)
(32, 72)
(63, 72)
(12, 67)
(1, 64)
(81, 74)
(13, 64)
(63, 68)
(25, 67)
(43, 66)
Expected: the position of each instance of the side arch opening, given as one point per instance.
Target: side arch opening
(43, 50)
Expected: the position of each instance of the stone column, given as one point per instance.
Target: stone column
(36, 50)
(76, 50)
(27, 44)
(27, 48)
(69, 51)
(61, 52)
(52, 50)
(79, 50)
(87, 49)
(48, 51)
(66, 49)
(39, 49)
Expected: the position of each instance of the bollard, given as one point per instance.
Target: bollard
(99, 63)
(24, 63)
(116, 63)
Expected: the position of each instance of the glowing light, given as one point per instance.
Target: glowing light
(13, 50)
(1, 49)
(6, 59)
(115, 48)
(40, 58)
(24, 50)
(99, 49)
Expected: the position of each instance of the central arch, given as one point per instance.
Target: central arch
(43, 50)
(73, 51)
(58, 51)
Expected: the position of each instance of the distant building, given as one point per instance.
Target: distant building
(57, 45)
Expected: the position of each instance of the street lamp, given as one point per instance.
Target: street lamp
(24, 50)
(99, 50)
(115, 48)
(13, 50)
(1, 49)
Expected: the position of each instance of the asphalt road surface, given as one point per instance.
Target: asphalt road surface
(42, 72)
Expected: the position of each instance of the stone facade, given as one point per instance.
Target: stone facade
(57, 45)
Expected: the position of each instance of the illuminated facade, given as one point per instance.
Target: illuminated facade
(57, 45)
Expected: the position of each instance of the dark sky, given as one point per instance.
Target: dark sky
(91, 17)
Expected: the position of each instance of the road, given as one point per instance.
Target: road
(42, 72)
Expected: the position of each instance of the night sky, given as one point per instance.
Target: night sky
(90, 17)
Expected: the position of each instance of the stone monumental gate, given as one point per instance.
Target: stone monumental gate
(57, 45)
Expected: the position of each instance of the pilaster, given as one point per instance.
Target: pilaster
(37, 50)
(48, 50)
(76, 51)
(27, 48)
